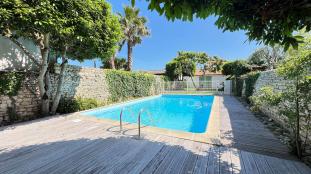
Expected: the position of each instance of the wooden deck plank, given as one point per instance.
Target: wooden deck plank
(249, 164)
(225, 164)
(213, 160)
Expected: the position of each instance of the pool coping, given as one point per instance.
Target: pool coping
(211, 134)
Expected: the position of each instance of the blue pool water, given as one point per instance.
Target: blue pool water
(188, 113)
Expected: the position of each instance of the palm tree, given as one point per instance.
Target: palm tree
(134, 28)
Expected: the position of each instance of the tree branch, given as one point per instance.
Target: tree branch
(24, 49)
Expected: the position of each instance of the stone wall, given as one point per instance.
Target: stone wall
(82, 82)
(24, 105)
(271, 79)
(78, 82)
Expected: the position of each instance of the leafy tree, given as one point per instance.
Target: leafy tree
(214, 64)
(297, 97)
(79, 29)
(134, 29)
(267, 56)
(119, 64)
(182, 65)
(294, 102)
(235, 68)
(271, 22)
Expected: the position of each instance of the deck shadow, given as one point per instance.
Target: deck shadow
(242, 130)
(116, 155)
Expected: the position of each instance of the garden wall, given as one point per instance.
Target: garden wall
(270, 78)
(22, 106)
(78, 82)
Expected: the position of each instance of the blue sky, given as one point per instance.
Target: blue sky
(168, 37)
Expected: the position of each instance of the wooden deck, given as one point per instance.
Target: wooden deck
(68, 144)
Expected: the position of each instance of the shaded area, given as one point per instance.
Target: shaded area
(126, 155)
(241, 129)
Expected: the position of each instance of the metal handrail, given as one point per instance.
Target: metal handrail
(138, 121)
(121, 113)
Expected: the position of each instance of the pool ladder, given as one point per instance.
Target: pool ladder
(138, 121)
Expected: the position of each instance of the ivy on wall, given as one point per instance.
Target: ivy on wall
(250, 80)
(123, 84)
(10, 83)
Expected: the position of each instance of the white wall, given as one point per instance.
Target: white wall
(13, 58)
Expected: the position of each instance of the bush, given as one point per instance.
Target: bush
(123, 84)
(250, 80)
(10, 83)
(77, 104)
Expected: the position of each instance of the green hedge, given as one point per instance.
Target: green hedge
(77, 104)
(10, 83)
(237, 86)
(250, 80)
(123, 84)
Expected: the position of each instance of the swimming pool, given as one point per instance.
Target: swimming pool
(188, 113)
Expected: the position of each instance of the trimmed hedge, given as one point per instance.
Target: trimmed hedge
(250, 80)
(77, 104)
(123, 84)
(10, 83)
(237, 86)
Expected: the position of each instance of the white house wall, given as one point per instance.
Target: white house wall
(13, 58)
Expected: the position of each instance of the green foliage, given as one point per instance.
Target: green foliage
(235, 68)
(268, 57)
(134, 29)
(120, 63)
(10, 83)
(271, 22)
(78, 104)
(123, 84)
(294, 102)
(80, 29)
(265, 96)
(250, 80)
(214, 64)
(183, 65)
(237, 86)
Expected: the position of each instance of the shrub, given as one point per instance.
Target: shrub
(77, 104)
(250, 80)
(10, 83)
(123, 84)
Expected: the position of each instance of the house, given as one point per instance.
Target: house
(206, 80)
(201, 80)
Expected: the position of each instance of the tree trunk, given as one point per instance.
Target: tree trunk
(42, 76)
(112, 60)
(59, 84)
(129, 56)
(193, 82)
(297, 133)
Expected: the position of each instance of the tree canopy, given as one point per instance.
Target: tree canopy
(270, 22)
(182, 65)
(134, 29)
(235, 68)
(81, 29)
(267, 57)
